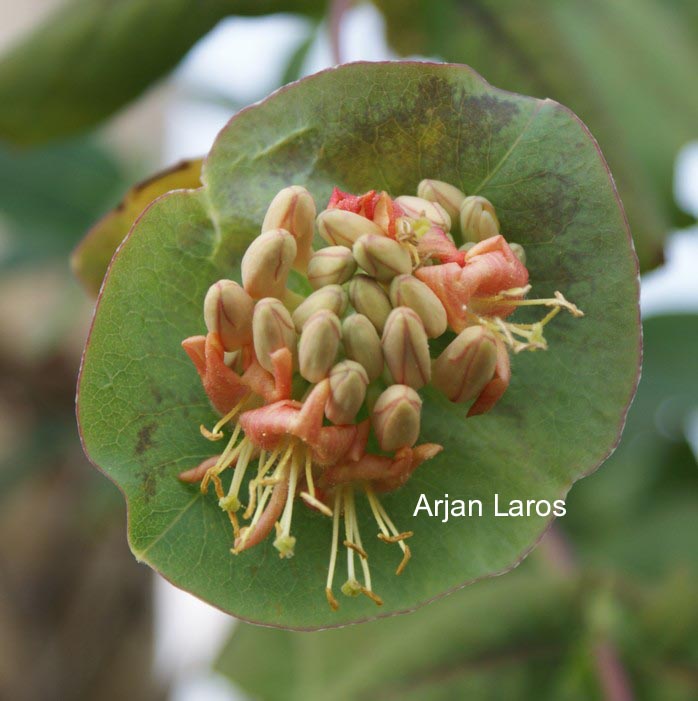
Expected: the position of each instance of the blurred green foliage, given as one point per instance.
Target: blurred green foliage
(49, 196)
(92, 57)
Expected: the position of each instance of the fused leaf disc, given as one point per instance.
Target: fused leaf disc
(359, 127)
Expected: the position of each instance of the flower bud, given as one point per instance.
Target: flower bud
(348, 381)
(362, 344)
(518, 250)
(266, 264)
(340, 227)
(293, 209)
(331, 297)
(448, 196)
(467, 246)
(406, 349)
(228, 312)
(466, 365)
(381, 257)
(478, 220)
(396, 417)
(318, 345)
(370, 299)
(418, 208)
(272, 329)
(332, 265)
(408, 291)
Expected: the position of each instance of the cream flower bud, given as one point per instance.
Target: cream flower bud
(381, 257)
(332, 265)
(348, 381)
(448, 196)
(267, 262)
(331, 297)
(341, 228)
(478, 220)
(406, 348)
(318, 345)
(293, 209)
(466, 365)
(518, 250)
(362, 344)
(370, 299)
(228, 312)
(408, 291)
(418, 208)
(396, 417)
(272, 329)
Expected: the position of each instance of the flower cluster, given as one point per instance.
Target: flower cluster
(303, 381)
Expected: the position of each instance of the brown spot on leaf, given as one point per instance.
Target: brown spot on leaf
(145, 438)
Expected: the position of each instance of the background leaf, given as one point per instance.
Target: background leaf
(93, 56)
(626, 67)
(362, 126)
(74, 181)
(532, 635)
(645, 502)
(91, 258)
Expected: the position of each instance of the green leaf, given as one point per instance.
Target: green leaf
(477, 644)
(367, 126)
(626, 67)
(73, 181)
(92, 57)
(528, 636)
(91, 258)
(644, 501)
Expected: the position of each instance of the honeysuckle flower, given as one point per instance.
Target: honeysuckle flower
(293, 210)
(363, 344)
(228, 312)
(267, 262)
(378, 207)
(332, 265)
(408, 291)
(288, 379)
(370, 299)
(419, 208)
(488, 269)
(445, 194)
(478, 220)
(381, 257)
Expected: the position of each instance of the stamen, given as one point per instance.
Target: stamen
(245, 532)
(264, 497)
(559, 301)
(352, 587)
(224, 460)
(356, 548)
(334, 604)
(531, 333)
(215, 434)
(285, 542)
(389, 533)
(309, 496)
(316, 503)
(231, 502)
(309, 473)
(252, 486)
